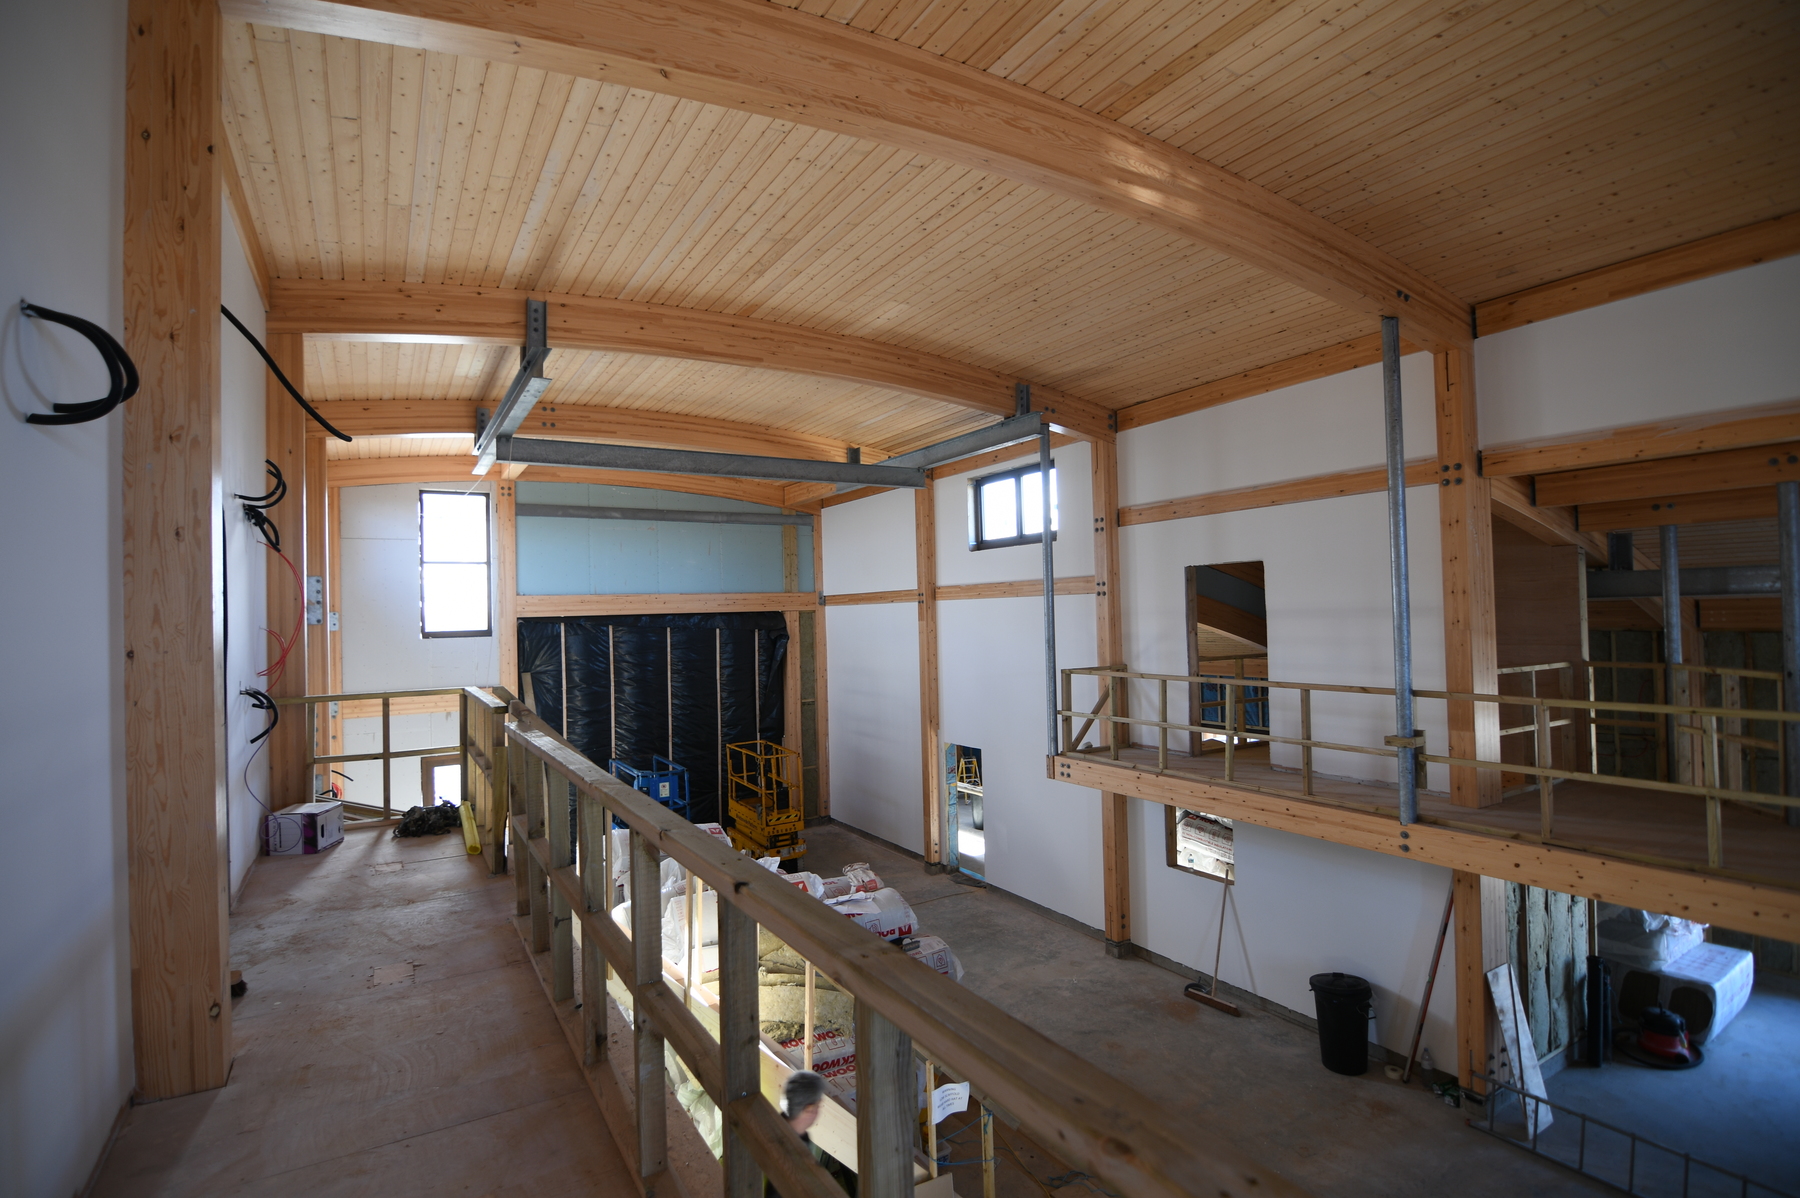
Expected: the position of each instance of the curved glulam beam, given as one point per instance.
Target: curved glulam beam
(780, 62)
(451, 314)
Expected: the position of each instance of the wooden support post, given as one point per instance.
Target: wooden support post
(596, 893)
(173, 577)
(886, 1107)
(1465, 516)
(1471, 982)
(506, 582)
(1109, 644)
(738, 1046)
(284, 426)
(311, 560)
(558, 794)
(821, 701)
(646, 970)
(931, 766)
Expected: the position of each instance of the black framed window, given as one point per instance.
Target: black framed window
(1008, 509)
(454, 593)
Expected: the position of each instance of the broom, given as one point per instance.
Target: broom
(1202, 994)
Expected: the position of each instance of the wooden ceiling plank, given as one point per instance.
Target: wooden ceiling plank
(512, 136)
(248, 119)
(342, 100)
(487, 112)
(1722, 470)
(1136, 54)
(1711, 507)
(313, 125)
(281, 106)
(436, 83)
(374, 117)
(746, 55)
(1120, 26)
(467, 81)
(580, 127)
(992, 35)
(557, 108)
(1703, 433)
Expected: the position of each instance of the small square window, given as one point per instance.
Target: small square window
(453, 564)
(1008, 509)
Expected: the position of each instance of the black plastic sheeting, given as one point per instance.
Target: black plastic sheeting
(682, 687)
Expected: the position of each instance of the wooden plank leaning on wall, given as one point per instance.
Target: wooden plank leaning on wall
(285, 438)
(172, 585)
(1109, 645)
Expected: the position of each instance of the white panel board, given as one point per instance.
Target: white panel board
(869, 547)
(874, 696)
(1706, 346)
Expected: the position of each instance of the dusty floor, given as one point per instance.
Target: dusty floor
(394, 1041)
(1739, 1108)
(1254, 1081)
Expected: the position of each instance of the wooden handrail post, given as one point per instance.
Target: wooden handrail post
(1068, 705)
(1162, 731)
(1709, 765)
(646, 970)
(1112, 711)
(987, 1152)
(1542, 758)
(560, 804)
(885, 1106)
(1306, 756)
(1230, 733)
(738, 1047)
(539, 882)
(596, 891)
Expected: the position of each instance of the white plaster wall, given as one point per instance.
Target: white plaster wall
(869, 546)
(1313, 428)
(65, 1006)
(1042, 836)
(242, 450)
(872, 687)
(1073, 546)
(1711, 345)
(1303, 906)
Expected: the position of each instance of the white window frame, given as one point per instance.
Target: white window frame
(487, 564)
(977, 538)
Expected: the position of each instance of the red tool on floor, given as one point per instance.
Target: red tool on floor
(1659, 1041)
(1194, 989)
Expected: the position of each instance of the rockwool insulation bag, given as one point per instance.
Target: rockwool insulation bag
(932, 951)
(884, 913)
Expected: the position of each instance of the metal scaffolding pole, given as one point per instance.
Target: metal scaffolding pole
(1787, 499)
(1050, 679)
(1671, 603)
(1405, 737)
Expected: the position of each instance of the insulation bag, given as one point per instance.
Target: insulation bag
(884, 913)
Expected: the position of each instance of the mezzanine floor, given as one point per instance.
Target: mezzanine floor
(1593, 817)
(394, 1041)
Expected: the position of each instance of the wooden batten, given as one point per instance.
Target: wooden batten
(1721, 470)
(1704, 433)
(374, 472)
(1318, 364)
(571, 606)
(1763, 242)
(1026, 588)
(1707, 507)
(173, 600)
(1420, 472)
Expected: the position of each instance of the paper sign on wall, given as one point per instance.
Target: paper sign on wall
(948, 1100)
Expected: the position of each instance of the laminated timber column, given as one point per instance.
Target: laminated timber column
(821, 705)
(173, 567)
(1109, 643)
(285, 441)
(1465, 515)
(1480, 914)
(317, 647)
(930, 755)
(506, 588)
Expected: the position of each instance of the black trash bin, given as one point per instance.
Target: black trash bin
(1342, 1001)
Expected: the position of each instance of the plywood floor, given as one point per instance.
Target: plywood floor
(394, 1041)
(1591, 816)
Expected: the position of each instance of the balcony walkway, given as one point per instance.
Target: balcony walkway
(1593, 817)
(395, 1040)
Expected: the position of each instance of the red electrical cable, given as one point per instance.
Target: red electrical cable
(273, 671)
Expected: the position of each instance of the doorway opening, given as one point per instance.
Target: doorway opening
(1227, 637)
(967, 817)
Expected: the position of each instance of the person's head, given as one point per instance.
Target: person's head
(800, 1099)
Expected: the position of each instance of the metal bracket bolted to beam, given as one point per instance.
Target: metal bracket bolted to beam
(526, 389)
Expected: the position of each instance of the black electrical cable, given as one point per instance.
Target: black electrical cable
(122, 373)
(260, 701)
(256, 507)
(301, 399)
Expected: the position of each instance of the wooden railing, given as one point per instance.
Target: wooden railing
(480, 749)
(1712, 727)
(562, 806)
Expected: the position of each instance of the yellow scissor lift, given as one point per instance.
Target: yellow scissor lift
(766, 799)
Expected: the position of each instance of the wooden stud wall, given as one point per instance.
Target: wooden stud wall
(175, 790)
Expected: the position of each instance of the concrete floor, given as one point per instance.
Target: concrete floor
(1739, 1108)
(1254, 1081)
(394, 1041)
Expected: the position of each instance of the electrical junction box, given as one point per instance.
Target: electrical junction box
(308, 828)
